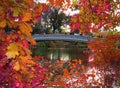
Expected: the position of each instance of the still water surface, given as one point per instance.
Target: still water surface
(63, 54)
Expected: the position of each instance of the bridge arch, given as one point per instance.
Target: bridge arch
(61, 37)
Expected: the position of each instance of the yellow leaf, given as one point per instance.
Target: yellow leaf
(16, 12)
(12, 50)
(2, 23)
(17, 66)
(27, 17)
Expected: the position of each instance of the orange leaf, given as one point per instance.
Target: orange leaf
(80, 61)
(38, 57)
(2, 23)
(83, 67)
(66, 73)
(26, 60)
(17, 66)
(27, 17)
(25, 28)
(32, 41)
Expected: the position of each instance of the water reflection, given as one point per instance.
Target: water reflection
(64, 54)
(64, 57)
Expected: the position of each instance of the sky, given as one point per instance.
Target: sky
(41, 1)
(118, 28)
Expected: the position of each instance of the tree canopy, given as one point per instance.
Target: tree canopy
(53, 19)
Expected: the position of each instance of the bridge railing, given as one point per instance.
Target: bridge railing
(60, 37)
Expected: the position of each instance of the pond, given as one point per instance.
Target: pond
(64, 54)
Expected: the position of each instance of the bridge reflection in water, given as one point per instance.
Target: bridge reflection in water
(61, 37)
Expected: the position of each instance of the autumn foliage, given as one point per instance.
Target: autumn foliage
(98, 18)
(93, 15)
(105, 56)
(18, 69)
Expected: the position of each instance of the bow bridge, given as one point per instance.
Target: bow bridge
(61, 37)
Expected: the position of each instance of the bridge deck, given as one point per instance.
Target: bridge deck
(62, 37)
